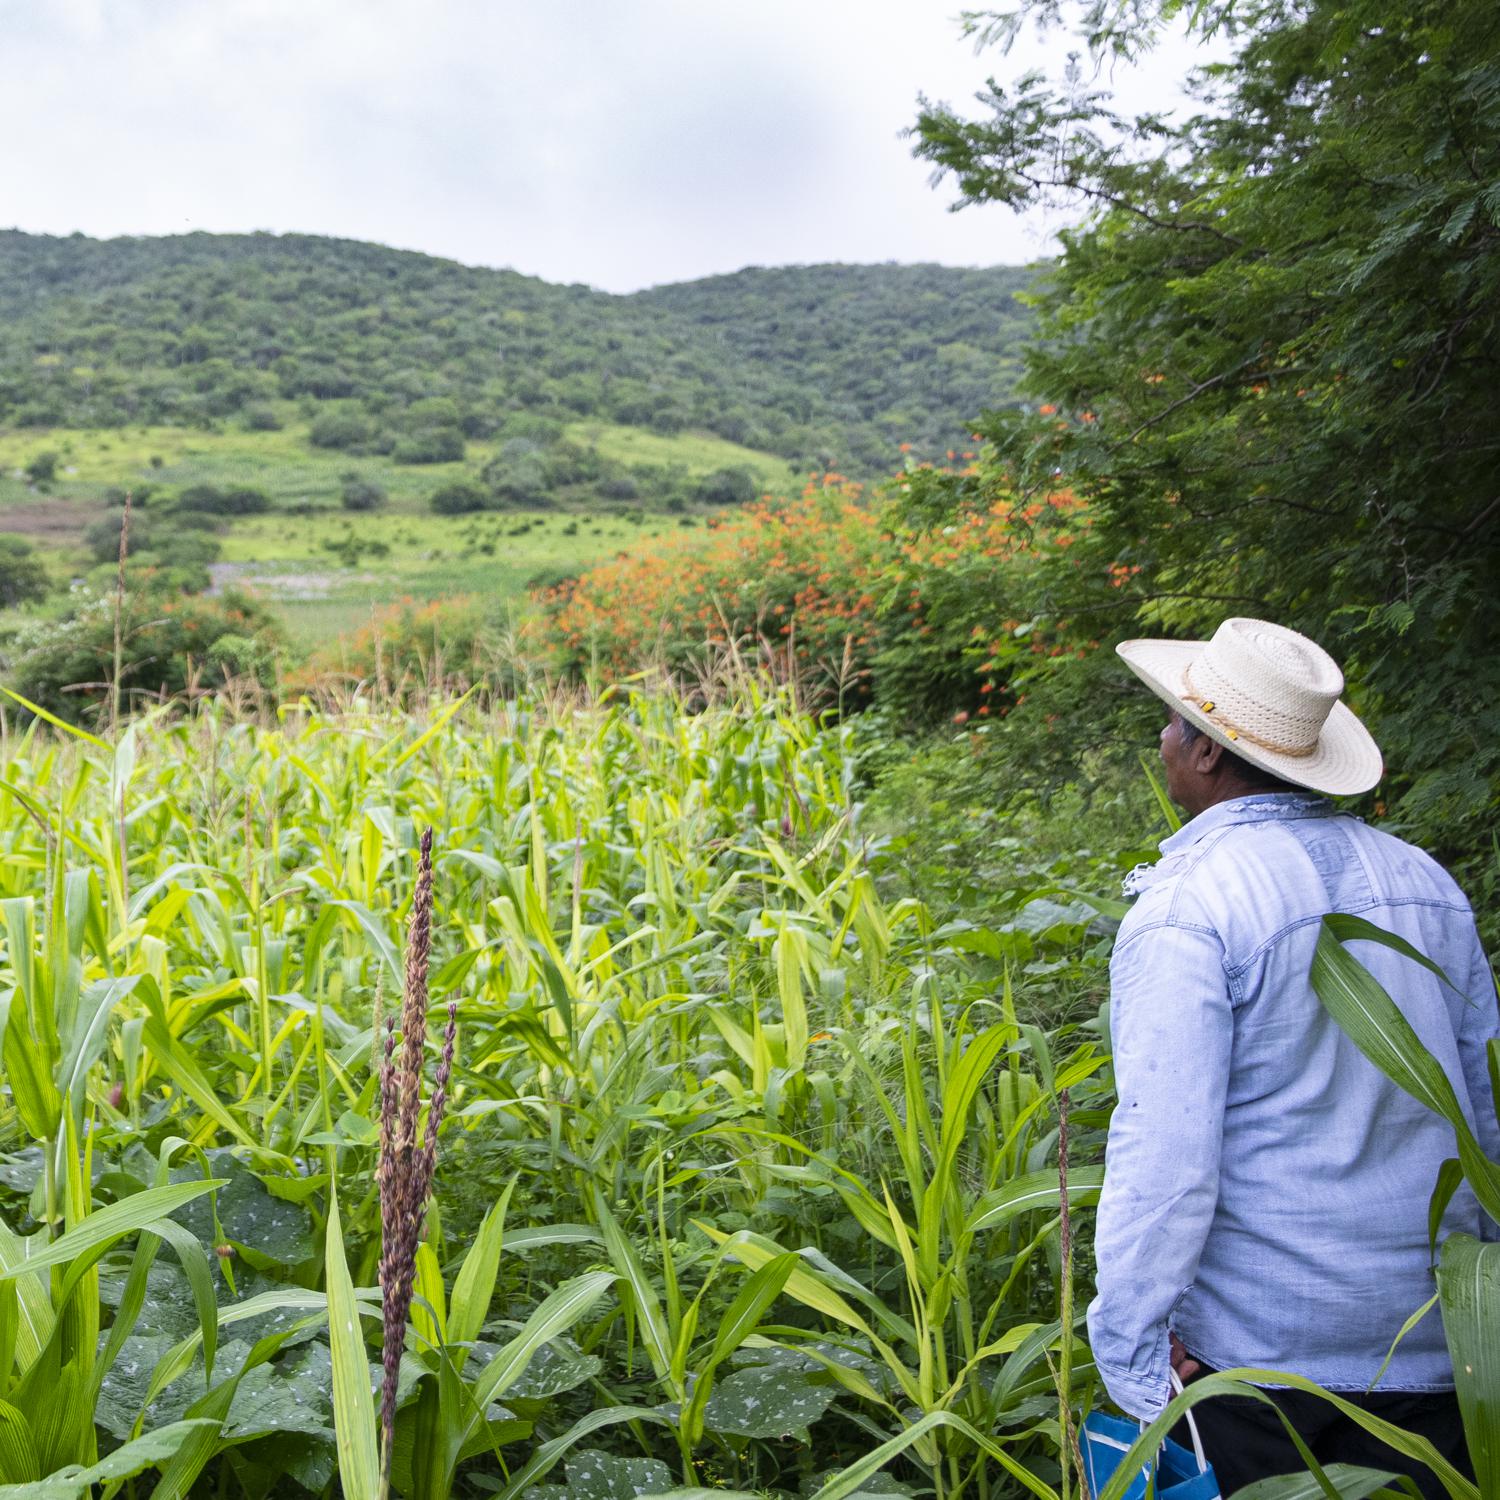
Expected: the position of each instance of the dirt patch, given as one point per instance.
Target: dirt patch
(50, 519)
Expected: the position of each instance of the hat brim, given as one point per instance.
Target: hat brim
(1346, 762)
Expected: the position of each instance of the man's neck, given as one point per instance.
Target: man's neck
(1228, 791)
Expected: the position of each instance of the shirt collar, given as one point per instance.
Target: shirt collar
(1262, 807)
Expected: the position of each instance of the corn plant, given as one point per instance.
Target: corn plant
(678, 992)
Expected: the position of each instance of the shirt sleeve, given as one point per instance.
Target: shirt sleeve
(1172, 1028)
(1481, 1025)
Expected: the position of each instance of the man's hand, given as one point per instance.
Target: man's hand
(1184, 1364)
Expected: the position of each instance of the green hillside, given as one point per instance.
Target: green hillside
(909, 350)
(411, 356)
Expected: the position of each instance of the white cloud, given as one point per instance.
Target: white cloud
(618, 142)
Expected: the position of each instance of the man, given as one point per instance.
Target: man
(1267, 1187)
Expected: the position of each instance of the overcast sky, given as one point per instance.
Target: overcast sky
(621, 143)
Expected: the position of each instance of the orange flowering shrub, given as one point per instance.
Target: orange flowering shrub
(850, 594)
(798, 582)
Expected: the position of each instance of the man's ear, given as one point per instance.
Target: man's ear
(1207, 753)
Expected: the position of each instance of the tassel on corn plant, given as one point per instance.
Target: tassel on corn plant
(404, 1173)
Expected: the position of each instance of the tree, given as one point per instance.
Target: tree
(1267, 366)
(23, 578)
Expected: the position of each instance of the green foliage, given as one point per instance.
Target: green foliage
(262, 418)
(683, 999)
(23, 575)
(169, 644)
(432, 445)
(736, 486)
(359, 493)
(828, 365)
(42, 469)
(233, 500)
(1267, 369)
(340, 428)
(460, 497)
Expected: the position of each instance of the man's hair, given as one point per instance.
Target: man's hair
(1247, 775)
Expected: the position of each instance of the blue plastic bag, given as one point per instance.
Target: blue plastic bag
(1178, 1474)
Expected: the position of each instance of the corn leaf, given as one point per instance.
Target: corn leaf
(1469, 1293)
(1373, 1021)
(353, 1404)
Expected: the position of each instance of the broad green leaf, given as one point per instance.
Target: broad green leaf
(353, 1405)
(1349, 1483)
(476, 1277)
(101, 1228)
(1469, 1292)
(569, 1304)
(640, 1289)
(76, 1482)
(593, 1475)
(551, 1453)
(1373, 1021)
(1035, 1190)
(761, 1401)
(18, 1456)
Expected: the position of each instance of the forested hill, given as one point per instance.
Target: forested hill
(824, 364)
(907, 348)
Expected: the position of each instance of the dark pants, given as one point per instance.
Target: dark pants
(1245, 1440)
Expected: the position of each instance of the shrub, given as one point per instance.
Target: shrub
(261, 418)
(140, 494)
(729, 486)
(438, 445)
(838, 592)
(103, 537)
(42, 469)
(360, 494)
(170, 643)
(459, 498)
(23, 578)
(239, 500)
(340, 428)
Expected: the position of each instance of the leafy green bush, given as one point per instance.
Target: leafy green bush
(358, 493)
(729, 486)
(236, 500)
(340, 428)
(23, 576)
(461, 497)
(170, 643)
(262, 419)
(438, 445)
(42, 469)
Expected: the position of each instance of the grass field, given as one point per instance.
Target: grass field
(321, 567)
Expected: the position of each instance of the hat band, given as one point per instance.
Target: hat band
(1207, 707)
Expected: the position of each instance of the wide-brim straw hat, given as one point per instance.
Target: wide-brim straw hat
(1268, 694)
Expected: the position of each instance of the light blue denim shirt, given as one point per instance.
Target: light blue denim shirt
(1266, 1188)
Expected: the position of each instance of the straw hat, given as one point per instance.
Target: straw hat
(1268, 694)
